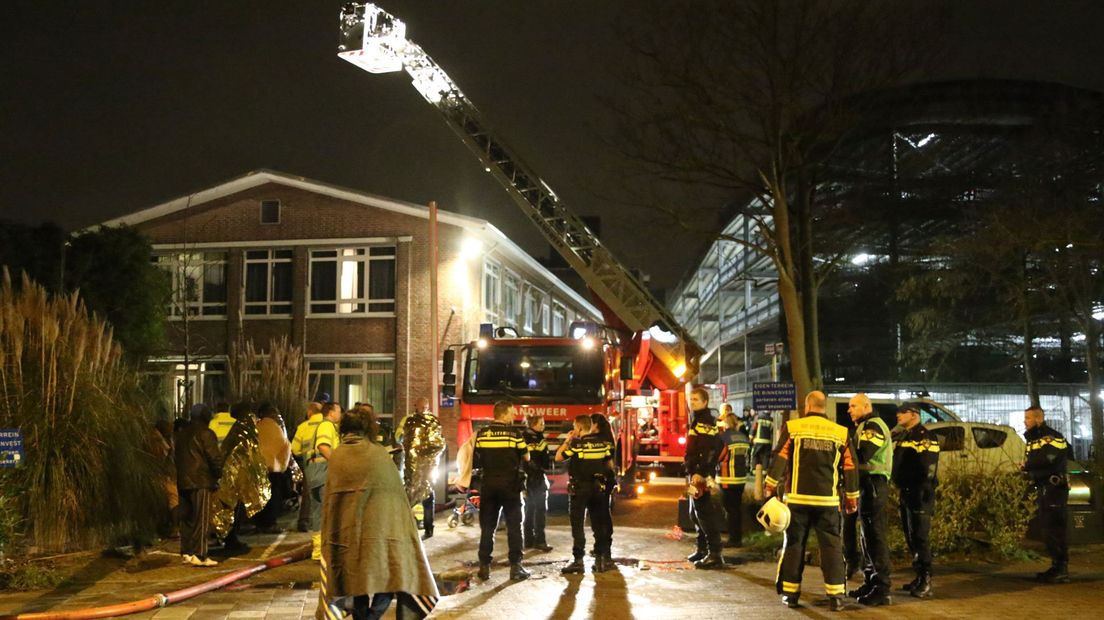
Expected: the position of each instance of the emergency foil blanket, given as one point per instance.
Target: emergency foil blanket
(423, 443)
(244, 477)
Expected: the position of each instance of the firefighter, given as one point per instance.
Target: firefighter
(703, 447)
(733, 475)
(1046, 458)
(873, 449)
(500, 451)
(536, 485)
(811, 461)
(591, 479)
(915, 469)
(762, 437)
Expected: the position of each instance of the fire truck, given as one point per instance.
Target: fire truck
(639, 350)
(556, 378)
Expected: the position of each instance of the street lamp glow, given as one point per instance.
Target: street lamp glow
(470, 248)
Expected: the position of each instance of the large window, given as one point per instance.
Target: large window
(546, 317)
(353, 281)
(534, 374)
(198, 282)
(511, 300)
(531, 308)
(559, 320)
(492, 278)
(268, 282)
(353, 381)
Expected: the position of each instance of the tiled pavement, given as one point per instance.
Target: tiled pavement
(652, 582)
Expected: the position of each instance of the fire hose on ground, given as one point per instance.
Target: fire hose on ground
(162, 600)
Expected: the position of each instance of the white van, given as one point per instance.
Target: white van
(962, 444)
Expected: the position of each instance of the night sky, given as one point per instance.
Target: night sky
(107, 108)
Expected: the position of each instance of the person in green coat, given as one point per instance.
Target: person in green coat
(371, 550)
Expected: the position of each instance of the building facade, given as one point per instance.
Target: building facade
(342, 274)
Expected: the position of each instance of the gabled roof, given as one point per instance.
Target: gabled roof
(256, 178)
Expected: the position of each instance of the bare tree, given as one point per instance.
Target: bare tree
(743, 100)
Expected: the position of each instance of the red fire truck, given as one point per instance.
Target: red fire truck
(557, 378)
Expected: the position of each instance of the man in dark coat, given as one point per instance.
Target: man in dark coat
(198, 468)
(371, 551)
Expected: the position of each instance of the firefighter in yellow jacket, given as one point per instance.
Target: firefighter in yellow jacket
(809, 464)
(733, 475)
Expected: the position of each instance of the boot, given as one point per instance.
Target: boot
(697, 556)
(545, 547)
(484, 572)
(316, 546)
(518, 572)
(876, 597)
(576, 567)
(835, 603)
(923, 587)
(1057, 573)
(862, 590)
(791, 600)
(710, 562)
(604, 563)
(910, 586)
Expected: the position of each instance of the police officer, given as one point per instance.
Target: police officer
(733, 475)
(591, 473)
(499, 451)
(762, 437)
(703, 447)
(1047, 455)
(536, 484)
(873, 449)
(915, 469)
(811, 461)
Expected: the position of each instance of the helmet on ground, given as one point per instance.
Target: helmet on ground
(774, 516)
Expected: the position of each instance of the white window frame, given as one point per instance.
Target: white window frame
(511, 298)
(559, 319)
(491, 290)
(180, 262)
(546, 315)
(530, 307)
(269, 261)
(363, 372)
(346, 261)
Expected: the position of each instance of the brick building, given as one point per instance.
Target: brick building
(343, 274)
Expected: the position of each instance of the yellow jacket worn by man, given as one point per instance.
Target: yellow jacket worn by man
(809, 465)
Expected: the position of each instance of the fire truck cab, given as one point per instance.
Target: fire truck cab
(558, 378)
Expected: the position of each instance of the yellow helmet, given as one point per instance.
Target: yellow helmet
(774, 516)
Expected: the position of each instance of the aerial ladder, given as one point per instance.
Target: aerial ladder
(665, 353)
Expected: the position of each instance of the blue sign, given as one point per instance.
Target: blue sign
(11, 447)
(448, 402)
(774, 396)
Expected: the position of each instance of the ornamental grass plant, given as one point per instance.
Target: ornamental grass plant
(278, 376)
(87, 477)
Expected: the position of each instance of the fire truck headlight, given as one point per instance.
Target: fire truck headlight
(651, 476)
(587, 343)
(680, 370)
(481, 343)
(682, 441)
(640, 489)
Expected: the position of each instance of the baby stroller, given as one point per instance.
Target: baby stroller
(465, 512)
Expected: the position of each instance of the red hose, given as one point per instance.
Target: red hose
(161, 600)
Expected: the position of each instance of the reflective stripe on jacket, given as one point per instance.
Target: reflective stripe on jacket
(814, 455)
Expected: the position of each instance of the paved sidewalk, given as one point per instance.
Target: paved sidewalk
(653, 581)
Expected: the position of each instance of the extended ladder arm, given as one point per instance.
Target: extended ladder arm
(375, 41)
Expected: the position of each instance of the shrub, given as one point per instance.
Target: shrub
(969, 521)
(87, 477)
